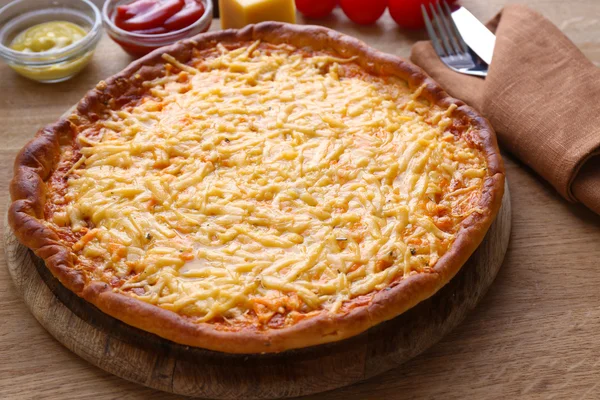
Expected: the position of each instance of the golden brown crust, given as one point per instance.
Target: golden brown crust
(38, 158)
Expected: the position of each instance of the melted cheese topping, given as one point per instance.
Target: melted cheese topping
(262, 184)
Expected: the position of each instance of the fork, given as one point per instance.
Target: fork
(449, 44)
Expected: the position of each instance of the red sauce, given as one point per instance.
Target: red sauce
(158, 16)
(155, 17)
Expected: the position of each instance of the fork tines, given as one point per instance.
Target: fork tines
(447, 41)
(451, 41)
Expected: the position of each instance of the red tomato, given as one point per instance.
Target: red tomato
(363, 12)
(152, 17)
(407, 13)
(189, 14)
(316, 8)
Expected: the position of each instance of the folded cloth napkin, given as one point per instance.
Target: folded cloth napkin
(542, 95)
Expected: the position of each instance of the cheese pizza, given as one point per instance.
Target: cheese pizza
(259, 190)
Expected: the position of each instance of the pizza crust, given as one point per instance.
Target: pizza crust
(36, 161)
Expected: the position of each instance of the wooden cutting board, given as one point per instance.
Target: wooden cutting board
(158, 363)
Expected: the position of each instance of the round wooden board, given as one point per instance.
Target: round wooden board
(158, 363)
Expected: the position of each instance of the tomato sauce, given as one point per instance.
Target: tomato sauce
(153, 17)
(161, 22)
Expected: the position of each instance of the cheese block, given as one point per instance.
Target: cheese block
(239, 13)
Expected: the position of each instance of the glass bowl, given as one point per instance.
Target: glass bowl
(138, 44)
(52, 65)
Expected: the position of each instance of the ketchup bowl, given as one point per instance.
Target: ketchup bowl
(140, 26)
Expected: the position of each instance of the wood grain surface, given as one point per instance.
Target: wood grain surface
(534, 335)
(161, 364)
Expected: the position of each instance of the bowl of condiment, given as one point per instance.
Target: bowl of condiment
(140, 26)
(49, 40)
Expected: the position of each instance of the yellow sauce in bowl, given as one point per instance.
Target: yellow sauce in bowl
(48, 37)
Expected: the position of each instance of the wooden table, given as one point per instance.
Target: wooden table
(534, 335)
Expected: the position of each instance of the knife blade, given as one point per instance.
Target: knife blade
(475, 34)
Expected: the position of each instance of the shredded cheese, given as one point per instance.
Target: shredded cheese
(264, 180)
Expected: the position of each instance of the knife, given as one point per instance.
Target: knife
(475, 34)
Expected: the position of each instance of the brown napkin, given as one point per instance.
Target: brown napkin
(541, 95)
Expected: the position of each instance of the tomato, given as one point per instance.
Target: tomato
(316, 8)
(407, 13)
(152, 17)
(363, 12)
(189, 14)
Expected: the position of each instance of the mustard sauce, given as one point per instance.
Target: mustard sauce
(48, 36)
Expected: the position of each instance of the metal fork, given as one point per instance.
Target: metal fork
(449, 44)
